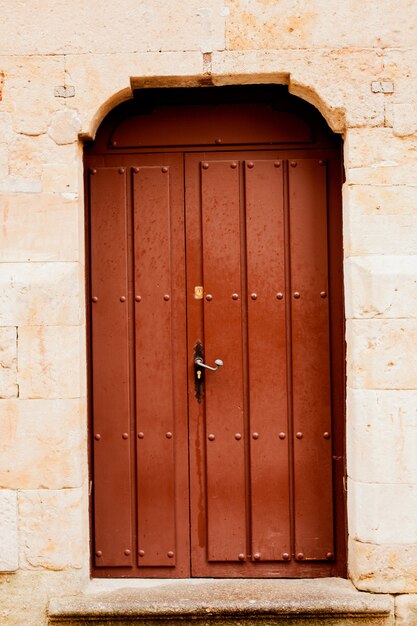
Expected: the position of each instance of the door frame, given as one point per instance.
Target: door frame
(93, 155)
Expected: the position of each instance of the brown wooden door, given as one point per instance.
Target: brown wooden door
(232, 255)
(260, 440)
(139, 368)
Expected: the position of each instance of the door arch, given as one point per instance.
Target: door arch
(215, 231)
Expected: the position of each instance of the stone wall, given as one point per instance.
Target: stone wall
(63, 66)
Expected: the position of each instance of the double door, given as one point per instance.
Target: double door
(223, 472)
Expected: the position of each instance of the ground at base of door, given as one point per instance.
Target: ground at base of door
(318, 602)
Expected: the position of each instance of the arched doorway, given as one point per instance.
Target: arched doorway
(215, 233)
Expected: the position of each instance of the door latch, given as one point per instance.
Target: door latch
(199, 362)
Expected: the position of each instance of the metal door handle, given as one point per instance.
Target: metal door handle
(199, 362)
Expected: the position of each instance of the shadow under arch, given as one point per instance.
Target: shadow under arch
(126, 104)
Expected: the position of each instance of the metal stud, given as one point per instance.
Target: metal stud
(99, 553)
(257, 556)
(164, 169)
(326, 435)
(299, 435)
(277, 163)
(253, 296)
(300, 556)
(205, 166)
(122, 298)
(141, 552)
(322, 162)
(170, 554)
(97, 437)
(255, 435)
(241, 556)
(235, 296)
(280, 295)
(296, 294)
(286, 556)
(323, 294)
(166, 297)
(233, 165)
(141, 435)
(209, 297)
(218, 140)
(168, 435)
(282, 435)
(121, 170)
(125, 436)
(211, 437)
(136, 170)
(114, 143)
(93, 171)
(94, 299)
(238, 436)
(293, 163)
(329, 556)
(138, 298)
(251, 164)
(127, 552)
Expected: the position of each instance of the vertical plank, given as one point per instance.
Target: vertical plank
(226, 509)
(311, 360)
(269, 470)
(110, 376)
(154, 367)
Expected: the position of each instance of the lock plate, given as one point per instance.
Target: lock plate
(199, 373)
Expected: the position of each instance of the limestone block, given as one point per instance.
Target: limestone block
(18, 184)
(64, 127)
(27, 155)
(38, 227)
(383, 569)
(49, 365)
(126, 26)
(42, 444)
(28, 86)
(400, 65)
(381, 286)
(51, 529)
(376, 156)
(25, 594)
(4, 159)
(406, 610)
(379, 219)
(382, 436)
(61, 178)
(109, 78)
(287, 24)
(405, 119)
(8, 362)
(6, 128)
(382, 354)
(32, 294)
(382, 513)
(365, 147)
(332, 80)
(9, 557)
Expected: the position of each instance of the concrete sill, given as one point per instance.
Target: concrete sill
(329, 601)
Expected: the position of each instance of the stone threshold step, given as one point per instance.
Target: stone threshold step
(201, 602)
